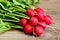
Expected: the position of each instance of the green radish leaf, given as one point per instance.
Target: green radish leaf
(3, 26)
(19, 27)
(4, 29)
(4, 2)
(17, 3)
(35, 2)
(1, 5)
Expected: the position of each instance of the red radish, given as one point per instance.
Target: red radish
(33, 21)
(48, 19)
(30, 12)
(39, 10)
(38, 30)
(51, 19)
(40, 17)
(42, 23)
(23, 21)
(28, 29)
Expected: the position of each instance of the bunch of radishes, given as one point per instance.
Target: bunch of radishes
(37, 23)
